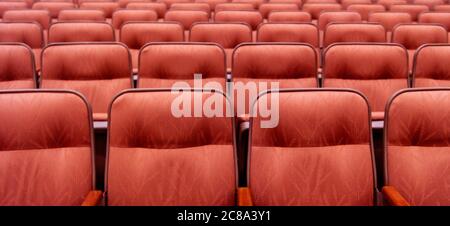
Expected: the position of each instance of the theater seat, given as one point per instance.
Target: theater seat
(47, 147)
(5, 6)
(189, 161)
(186, 18)
(164, 65)
(250, 17)
(91, 15)
(416, 146)
(289, 16)
(320, 152)
(255, 3)
(389, 20)
(413, 10)
(120, 17)
(366, 9)
(191, 6)
(353, 32)
(234, 7)
(136, 34)
(107, 7)
(337, 16)
(442, 18)
(266, 8)
(212, 3)
(316, 8)
(106, 70)
(41, 17)
(53, 7)
(81, 32)
(431, 68)
(159, 7)
(377, 70)
(17, 69)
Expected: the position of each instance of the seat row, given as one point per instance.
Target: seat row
(321, 152)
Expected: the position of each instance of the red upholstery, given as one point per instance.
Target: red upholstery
(53, 7)
(354, 32)
(266, 8)
(252, 18)
(377, 70)
(319, 154)
(120, 17)
(289, 32)
(389, 3)
(413, 10)
(233, 7)
(17, 70)
(255, 3)
(442, 18)
(289, 16)
(366, 9)
(157, 60)
(212, 3)
(186, 17)
(417, 140)
(390, 19)
(29, 33)
(191, 6)
(136, 34)
(125, 3)
(40, 16)
(170, 2)
(158, 7)
(105, 71)
(346, 3)
(46, 148)
(107, 7)
(5, 6)
(412, 36)
(431, 66)
(81, 32)
(442, 8)
(429, 3)
(81, 15)
(339, 16)
(316, 8)
(189, 161)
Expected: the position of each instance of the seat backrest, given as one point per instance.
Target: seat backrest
(289, 16)
(412, 36)
(366, 9)
(81, 15)
(266, 8)
(441, 8)
(40, 16)
(337, 16)
(107, 7)
(320, 152)
(389, 3)
(442, 18)
(191, 6)
(186, 17)
(17, 70)
(413, 10)
(189, 161)
(390, 19)
(288, 32)
(136, 34)
(429, 3)
(255, 3)
(100, 77)
(251, 17)
(53, 7)
(430, 66)
(81, 32)
(29, 33)
(346, 3)
(212, 3)
(46, 149)
(6, 6)
(159, 7)
(228, 35)
(120, 17)
(378, 70)
(233, 7)
(353, 32)
(316, 8)
(157, 60)
(416, 145)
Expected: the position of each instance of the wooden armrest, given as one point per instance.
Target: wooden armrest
(393, 197)
(93, 198)
(244, 197)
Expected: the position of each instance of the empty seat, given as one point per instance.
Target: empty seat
(47, 148)
(346, 3)
(17, 70)
(157, 64)
(54, 7)
(212, 3)
(289, 32)
(389, 3)
(40, 16)
(412, 36)
(81, 15)
(416, 146)
(29, 33)
(81, 32)
(429, 3)
(186, 17)
(152, 165)
(338, 16)
(5, 6)
(255, 3)
(233, 7)
(320, 153)
(252, 18)
(413, 10)
(170, 2)
(97, 70)
(389, 20)
(266, 8)
(353, 32)
(441, 8)
(289, 16)
(376, 70)
(442, 18)
(431, 66)
(191, 6)
(366, 9)
(107, 7)
(124, 3)
(136, 34)
(120, 17)
(158, 7)
(316, 8)
(227, 35)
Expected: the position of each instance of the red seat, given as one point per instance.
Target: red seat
(189, 161)
(107, 7)
(316, 8)
(442, 18)
(346, 3)
(40, 16)
(441, 8)
(366, 9)
(376, 70)
(429, 3)
(186, 17)
(158, 7)
(413, 10)
(47, 148)
(81, 15)
(106, 70)
(191, 6)
(289, 32)
(389, 3)
(289, 16)
(353, 32)
(389, 20)
(337, 16)
(416, 146)
(431, 68)
(233, 7)
(255, 3)
(320, 153)
(266, 8)
(170, 2)
(5, 6)
(124, 3)
(81, 32)
(252, 17)
(53, 7)
(212, 3)
(120, 17)
(17, 70)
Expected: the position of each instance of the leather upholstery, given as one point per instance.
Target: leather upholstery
(234, 7)
(186, 17)
(191, 6)
(316, 8)
(120, 17)
(353, 32)
(413, 10)
(53, 7)
(228, 35)
(6, 6)
(289, 32)
(289, 16)
(251, 17)
(366, 9)
(212, 3)
(81, 32)
(29, 33)
(390, 19)
(412, 36)
(159, 7)
(431, 67)
(266, 8)
(107, 7)
(40, 16)
(340, 16)
(81, 15)
(346, 3)
(17, 70)
(442, 18)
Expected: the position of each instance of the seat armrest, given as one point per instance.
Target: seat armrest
(244, 197)
(393, 197)
(93, 198)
